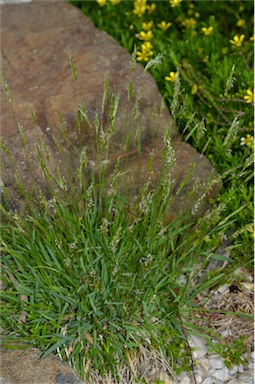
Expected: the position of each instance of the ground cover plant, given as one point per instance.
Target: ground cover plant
(107, 285)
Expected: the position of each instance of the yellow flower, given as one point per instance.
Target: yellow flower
(145, 35)
(172, 76)
(189, 22)
(146, 52)
(240, 23)
(249, 97)
(151, 8)
(207, 31)
(146, 46)
(250, 228)
(251, 38)
(194, 89)
(140, 7)
(175, 3)
(248, 140)
(101, 2)
(142, 56)
(164, 26)
(147, 26)
(237, 40)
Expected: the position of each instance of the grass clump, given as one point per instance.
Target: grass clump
(99, 278)
(94, 287)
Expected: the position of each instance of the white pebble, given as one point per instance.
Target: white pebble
(199, 379)
(204, 364)
(217, 362)
(208, 380)
(233, 370)
(199, 344)
(223, 289)
(185, 380)
(225, 333)
(240, 368)
(221, 374)
(165, 378)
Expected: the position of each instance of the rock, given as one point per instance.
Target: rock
(221, 375)
(14, 1)
(208, 380)
(25, 366)
(185, 380)
(165, 378)
(240, 368)
(199, 378)
(199, 345)
(233, 370)
(244, 378)
(204, 365)
(38, 40)
(216, 361)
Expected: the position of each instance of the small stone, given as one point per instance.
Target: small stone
(200, 346)
(165, 378)
(185, 380)
(216, 362)
(224, 288)
(225, 333)
(208, 380)
(248, 286)
(240, 368)
(221, 374)
(204, 364)
(233, 370)
(199, 379)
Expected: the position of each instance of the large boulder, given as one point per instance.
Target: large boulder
(26, 366)
(41, 42)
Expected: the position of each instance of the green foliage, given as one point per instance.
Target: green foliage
(92, 282)
(215, 75)
(233, 352)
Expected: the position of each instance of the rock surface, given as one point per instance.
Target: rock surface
(38, 40)
(25, 366)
